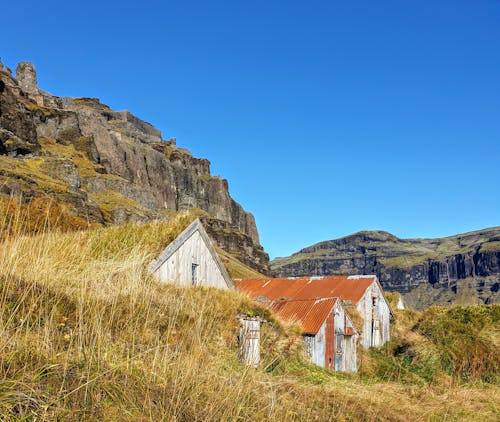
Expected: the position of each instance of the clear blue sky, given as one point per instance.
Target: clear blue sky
(326, 117)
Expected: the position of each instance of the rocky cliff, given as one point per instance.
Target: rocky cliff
(463, 268)
(102, 166)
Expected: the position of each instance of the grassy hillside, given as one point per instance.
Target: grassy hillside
(441, 346)
(87, 334)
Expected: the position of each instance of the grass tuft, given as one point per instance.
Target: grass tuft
(88, 334)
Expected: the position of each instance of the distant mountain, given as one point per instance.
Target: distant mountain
(458, 269)
(91, 165)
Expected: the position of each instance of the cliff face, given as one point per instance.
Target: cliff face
(104, 166)
(463, 268)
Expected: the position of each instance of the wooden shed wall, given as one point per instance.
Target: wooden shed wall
(316, 346)
(380, 313)
(346, 360)
(350, 346)
(324, 346)
(178, 267)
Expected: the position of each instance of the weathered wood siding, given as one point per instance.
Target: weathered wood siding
(331, 348)
(316, 346)
(350, 355)
(249, 341)
(330, 356)
(345, 345)
(179, 269)
(350, 344)
(338, 340)
(376, 315)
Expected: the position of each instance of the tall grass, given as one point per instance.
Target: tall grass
(87, 334)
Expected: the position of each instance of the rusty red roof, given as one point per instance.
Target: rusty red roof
(310, 314)
(350, 288)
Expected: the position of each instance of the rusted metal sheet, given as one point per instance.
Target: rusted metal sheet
(364, 293)
(329, 333)
(306, 288)
(310, 314)
(330, 342)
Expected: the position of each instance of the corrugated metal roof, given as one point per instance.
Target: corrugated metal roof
(307, 288)
(310, 314)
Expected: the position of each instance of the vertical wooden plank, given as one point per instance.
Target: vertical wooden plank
(249, 340)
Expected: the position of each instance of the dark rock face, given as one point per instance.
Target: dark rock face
(109, 166)
(237, 244)
(424, 270)
(26, 77)
(17, 129)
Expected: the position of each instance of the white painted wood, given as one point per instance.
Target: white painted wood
(191, 260)
(349, 353)
(249, 341)
(316, 345)
(376, 316)
(319, 346)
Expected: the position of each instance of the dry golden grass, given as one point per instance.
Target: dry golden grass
(87, 334)
(235, 268)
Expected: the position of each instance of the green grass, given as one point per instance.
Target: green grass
(491, 246)
(29, 171)
(399, 253)
(110, 201)
(449, 346)
(235, 268)
(86, 167)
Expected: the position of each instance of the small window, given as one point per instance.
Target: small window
(194, 274)
(339, 340)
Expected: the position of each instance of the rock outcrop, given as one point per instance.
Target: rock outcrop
(105, 166)
(463, 268)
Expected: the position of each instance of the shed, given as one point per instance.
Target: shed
(329, 334)
(361, 293)
(191, 260)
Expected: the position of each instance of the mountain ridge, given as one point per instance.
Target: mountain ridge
(444, 270)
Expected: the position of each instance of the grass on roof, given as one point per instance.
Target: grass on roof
(88, 334)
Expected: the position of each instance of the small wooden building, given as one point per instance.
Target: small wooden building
(360, 293)
(329, 334)
(191, 260)
(373, 307)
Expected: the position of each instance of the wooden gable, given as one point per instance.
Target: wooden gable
(191, 260)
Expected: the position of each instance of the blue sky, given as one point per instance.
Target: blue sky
(326, 117)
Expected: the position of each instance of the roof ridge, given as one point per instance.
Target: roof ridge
(305, 300)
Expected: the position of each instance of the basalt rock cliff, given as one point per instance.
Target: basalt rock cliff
(459, 269)
(100, 166)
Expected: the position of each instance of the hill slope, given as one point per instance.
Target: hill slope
(464, 268)
(87, 334)
(91, 165)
